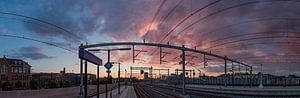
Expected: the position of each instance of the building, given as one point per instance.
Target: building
(49, 80)
(62, 79)
(16, 72)
(245, 79)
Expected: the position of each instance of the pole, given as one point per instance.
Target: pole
(251, 77)
(225, 75)
(183, 69)
(85, 79)
(232, 76)
(190, 74)
(133, 56)
(81, 78)
(160, 54)
(177, 76)
(168, 77)
(98, 81)
(151, 76)
(107, 79)
(260, 82)
(239, 68)
(119, 79)
(130, 75)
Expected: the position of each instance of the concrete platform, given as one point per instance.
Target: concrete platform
(242, 91)
(125, 92)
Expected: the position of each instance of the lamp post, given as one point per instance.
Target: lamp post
(108, 60)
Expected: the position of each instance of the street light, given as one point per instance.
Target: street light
(108, 60)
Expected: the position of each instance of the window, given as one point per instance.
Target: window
(19, 69)
(3, 69)
(12, 69)
(3, 77)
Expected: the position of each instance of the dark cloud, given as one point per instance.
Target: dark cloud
(126, 21)
(32, 52)
(81, 18)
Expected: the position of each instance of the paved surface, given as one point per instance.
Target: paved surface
(125, 92)
(69, 92)
(239, 91)
(271, 88)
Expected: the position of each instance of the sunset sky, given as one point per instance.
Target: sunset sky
(251, 31)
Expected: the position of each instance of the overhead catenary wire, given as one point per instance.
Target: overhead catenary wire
(183, 20)
(262, 43)
(240, 23)
(31, 39)
(247, 34)
(228, 8)
(154, 17)
(247, 39)
(152, 21)
(186, 18)
(29, 22)
(45, 22)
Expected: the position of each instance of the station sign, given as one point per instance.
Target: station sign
(86, 55)
(108, 65)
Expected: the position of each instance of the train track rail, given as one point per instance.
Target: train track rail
(140, 91)
(146, 91)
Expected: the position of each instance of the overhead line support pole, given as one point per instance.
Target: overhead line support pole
(119, 78)
(183, 70)
(85, 79)
(98, 80)
(160, 55)
(133, 56)
(225, 69)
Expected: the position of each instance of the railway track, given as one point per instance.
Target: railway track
(146, 91)
(140, 91)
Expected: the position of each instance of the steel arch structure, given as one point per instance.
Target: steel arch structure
(182, 48)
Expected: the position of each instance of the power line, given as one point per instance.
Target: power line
(247, 39)
(31, 39)
(244, 22)
(30, 22)
(263, 43)
(240, 35)
(154, 17)
(45, 22)
(172, 10)
(186, 18)
(225, 9)
(183, 20)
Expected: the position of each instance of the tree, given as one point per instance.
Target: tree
(33, 84)
(52, 84)
(18, 84)
(6, 86)
(67, 84)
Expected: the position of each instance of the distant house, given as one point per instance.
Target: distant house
(16, 72)
(55, 80)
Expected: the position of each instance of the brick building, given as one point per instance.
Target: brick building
(16, 72)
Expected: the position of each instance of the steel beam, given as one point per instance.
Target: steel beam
(161, 45)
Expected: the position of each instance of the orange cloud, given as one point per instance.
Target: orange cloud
(143, 30)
